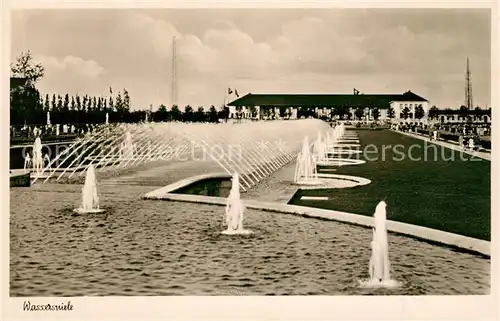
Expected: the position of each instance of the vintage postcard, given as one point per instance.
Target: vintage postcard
(239, 160)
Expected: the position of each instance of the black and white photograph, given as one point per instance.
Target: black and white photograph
(241, 152)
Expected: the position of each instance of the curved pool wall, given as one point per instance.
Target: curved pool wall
(432, 235)
(340, 162)
(328, 181)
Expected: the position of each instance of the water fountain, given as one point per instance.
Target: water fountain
(320, 149)
(254, 150)
(27, 162)
(305, 168)
(235, 209)
(90, 200)
(37, 161)
(107, 118)
(379, 266)
(48, 118)
(331, 138)
(127, 147)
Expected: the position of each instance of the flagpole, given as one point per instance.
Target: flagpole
(224, 105)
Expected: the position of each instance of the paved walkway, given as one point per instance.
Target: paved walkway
(482, 155)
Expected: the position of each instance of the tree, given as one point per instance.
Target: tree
(54, 103)
(391, 113)
(161, 114)
(282, 111)
(90, 106)
(464, 112)
(252, 110)
(59, 103)
(238, 111)
(66, 103)
(419, 112)
(73, 104)
(224, 113)
(126, 100)
(84, 103)
(212, 114)
(119, 102)
(25, 102)
(46, 106)
(200, 114)
(433, 112)
(359, 112)
(25, 68)
(99, 104)
(376, 113)
(104, 104)
(337, 111)
(188, 113)
(406, 112)
(94, 103)
(111, 106)
(175, 113)
(78, 103)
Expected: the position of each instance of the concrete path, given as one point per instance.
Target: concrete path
(483, 155)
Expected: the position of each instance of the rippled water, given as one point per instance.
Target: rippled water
(142, 247)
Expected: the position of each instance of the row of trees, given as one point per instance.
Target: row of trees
(86, 103)
(27, 106)
(125, 116)
(189, 114)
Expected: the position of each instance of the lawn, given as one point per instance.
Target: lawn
(445, 192)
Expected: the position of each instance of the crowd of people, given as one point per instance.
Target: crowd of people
(468, 136)
(33, 131)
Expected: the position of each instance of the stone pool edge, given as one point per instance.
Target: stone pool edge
(419, 232)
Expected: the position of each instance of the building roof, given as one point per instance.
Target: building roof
(324, 100)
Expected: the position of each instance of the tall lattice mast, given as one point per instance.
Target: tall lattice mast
(468, 88)
(174, 94)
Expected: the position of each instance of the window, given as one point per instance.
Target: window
(406, 105)
(400, 105)
(411, 105)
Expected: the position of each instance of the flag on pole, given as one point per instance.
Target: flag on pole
(236, 93)
(229, 91)
(356, 92)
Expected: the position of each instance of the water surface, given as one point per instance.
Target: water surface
(144, 247)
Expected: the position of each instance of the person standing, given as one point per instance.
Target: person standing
(471, 143)
(461, 142)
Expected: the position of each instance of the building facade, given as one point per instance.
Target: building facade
(406, 107)
(454, 116)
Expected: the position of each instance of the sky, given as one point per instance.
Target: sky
(87, 51)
